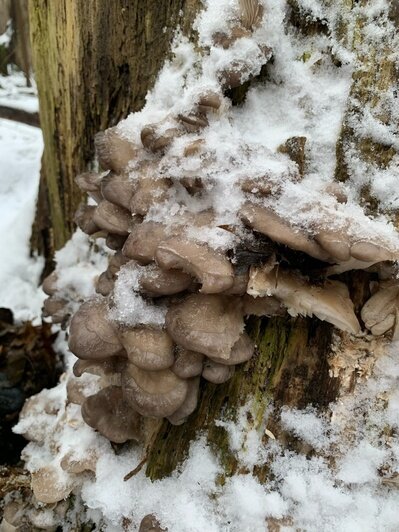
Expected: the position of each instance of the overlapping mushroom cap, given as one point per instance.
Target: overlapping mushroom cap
(202, 241)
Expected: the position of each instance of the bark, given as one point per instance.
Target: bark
(94, 63)
(17, 51)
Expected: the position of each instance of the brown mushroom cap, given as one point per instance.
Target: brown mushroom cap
(379, 312)
(189, 405)
(226, 40)
(149, 191)
(270, 224)
(116, 262)
(209, 324)
(105, 284)
(118, 189)
(108, 412)
(150, 523)
(209, 102)
(336, 244)
(113, 151)
(153, 393)
(49, 486)
(239, 286)
(155, 282)
(369, 252)
(241, 352)
(56, 308)
(90, 183)
(193, 122)
(330, 302)
(84, 219)
(91, 335)
(193, 148)
(213, 269)
(155, 141)
(49, 285)
(148, 348)
(112, 218)
(143, 241)
(187, 364)
(74, 465)
(115, 242)
(217, 373)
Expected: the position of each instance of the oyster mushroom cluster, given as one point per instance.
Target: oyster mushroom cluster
(199, 244)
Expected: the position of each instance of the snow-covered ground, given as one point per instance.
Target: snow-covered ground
(21, 148)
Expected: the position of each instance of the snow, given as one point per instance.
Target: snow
(20, 152)
(15, 93)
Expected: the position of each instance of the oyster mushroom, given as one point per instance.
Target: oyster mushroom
(112, 218)
(155, 282)
(105, 284)
(380, 311)
(208, 324)
(113, 151)
(56, 308)
(217, 373)
(115, 242)
(91, 335)
(226, 40)
(369, 252)
(150, 523)
(193, 122)
(143, 241)
(330, 302)
(189, 405)
(239, 286)
(154, 393)
(109, 412)
(90, 182)
(50, 485)
(187, 364)
(193, 148)
(241, 352)
(72, 464)
(49, 285)
(148, 348)
(209, 102)
(118, 189)
(270, 224)
(157, 141)
(149, 191)
(336, 244)
(213, 269)
(84, 219)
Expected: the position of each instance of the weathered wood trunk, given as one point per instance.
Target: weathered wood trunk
(94, 63)
(17, 51)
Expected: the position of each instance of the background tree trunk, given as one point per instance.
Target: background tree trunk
(94, 63)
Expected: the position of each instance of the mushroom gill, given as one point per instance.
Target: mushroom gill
(328, 302)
